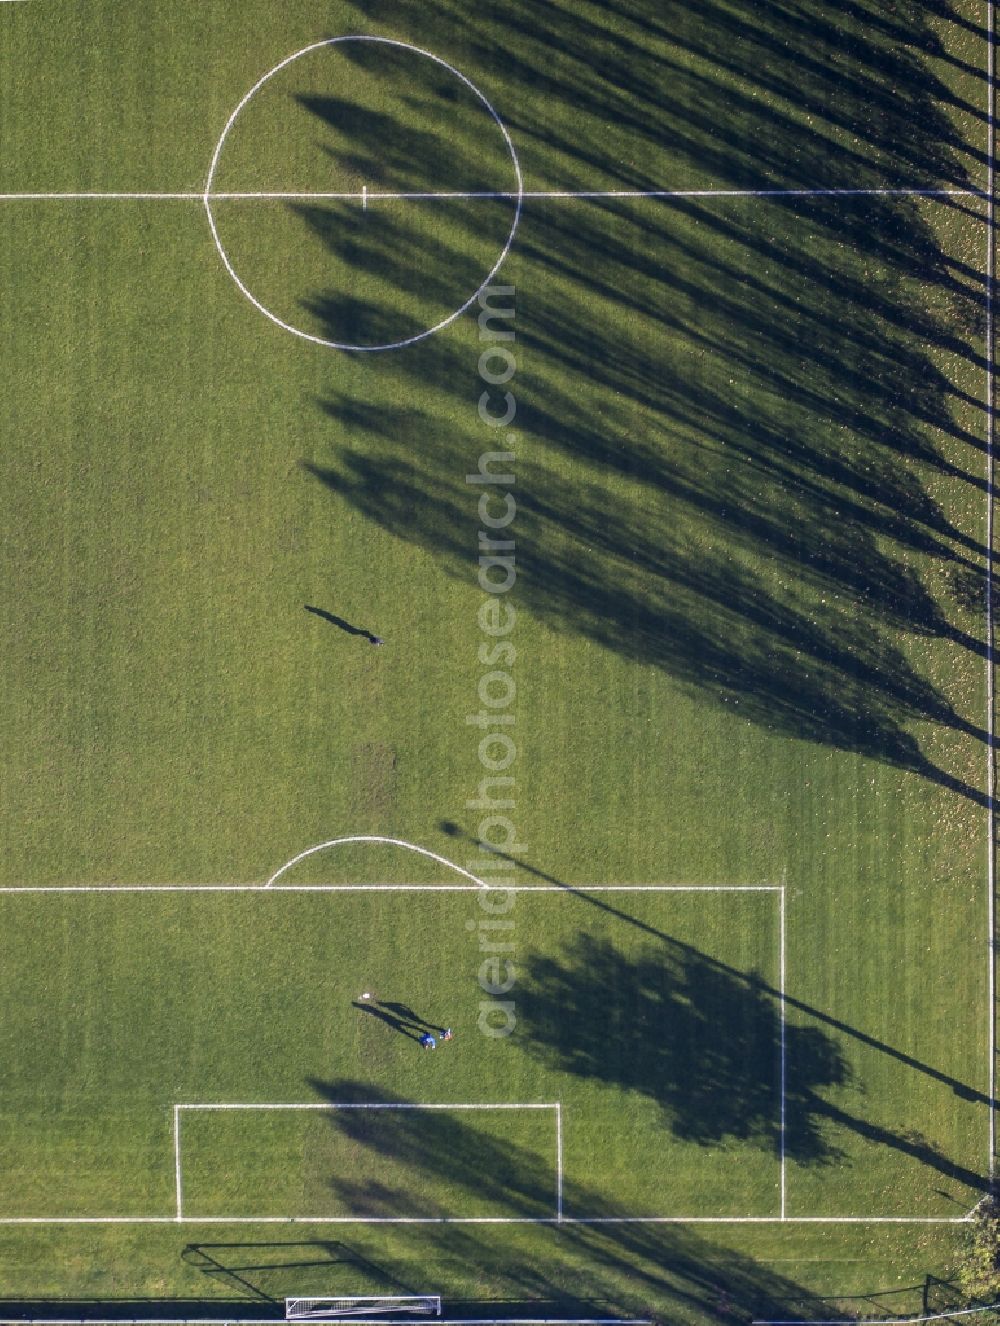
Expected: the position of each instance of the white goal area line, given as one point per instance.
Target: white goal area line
(397, 1106)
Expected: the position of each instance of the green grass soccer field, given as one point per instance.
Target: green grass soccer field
(495, 519)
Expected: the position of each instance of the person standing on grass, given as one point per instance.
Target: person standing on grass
(428, 1042)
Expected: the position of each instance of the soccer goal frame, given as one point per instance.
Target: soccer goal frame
(335, 1309)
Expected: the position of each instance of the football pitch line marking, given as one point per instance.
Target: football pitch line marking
(177, 1160)
(369, 1105)
(329, 43)
(782, 1056)
(378, 840)
(366, 195)
(556, 1107)
(388, 888)
(484, 1220)
(330, 1106)
(477, 883)
(882, 1321)
(990, 696)
(559, 1163)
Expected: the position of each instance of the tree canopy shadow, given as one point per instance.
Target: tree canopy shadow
(706, 1043)
(693, 1036)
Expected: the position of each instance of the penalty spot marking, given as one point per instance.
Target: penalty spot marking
(207, 196)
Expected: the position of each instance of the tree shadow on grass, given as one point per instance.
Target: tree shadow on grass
(464, 1161)
(669, 1272)
(743, 429)
(768, 989)
(704, 1042)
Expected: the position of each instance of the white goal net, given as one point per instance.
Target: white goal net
(334, 1309)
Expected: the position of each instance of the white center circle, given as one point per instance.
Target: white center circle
(517, 194)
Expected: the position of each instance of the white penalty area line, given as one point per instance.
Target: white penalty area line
(367, 196)
(387, 888)
(484, 1220)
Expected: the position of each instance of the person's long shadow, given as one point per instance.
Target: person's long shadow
(405, 1012)
(342, 625)
(384, 1013)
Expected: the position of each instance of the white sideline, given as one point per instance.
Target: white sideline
(452, 1106)
(366, 195)
(990, 696)
(484, 1220)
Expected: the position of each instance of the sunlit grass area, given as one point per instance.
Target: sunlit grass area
(743, 647)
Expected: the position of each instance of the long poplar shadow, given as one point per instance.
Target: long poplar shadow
(735, 424)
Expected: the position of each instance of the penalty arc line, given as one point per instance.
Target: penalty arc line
(385, 888)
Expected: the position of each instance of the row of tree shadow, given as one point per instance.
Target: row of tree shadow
(737, 423)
